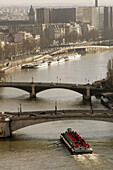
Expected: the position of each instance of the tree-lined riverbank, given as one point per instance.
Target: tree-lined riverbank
(45, 55)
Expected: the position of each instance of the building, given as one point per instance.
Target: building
(20, 36)
(54, 32)
(42, 16)
(72, 26)
(63, 15)
(84, 15)
(108, 17)
(31, 15)
(98, 18)
(102, 18)
(58, 15)
(20, 25)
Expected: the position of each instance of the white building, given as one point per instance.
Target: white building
(20, 36)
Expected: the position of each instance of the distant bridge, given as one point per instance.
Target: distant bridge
(33, 88)
(81, 47)
(7, 126)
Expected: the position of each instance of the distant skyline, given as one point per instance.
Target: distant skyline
(51, 2)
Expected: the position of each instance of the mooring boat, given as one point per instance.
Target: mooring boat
(43, 64)
(75, 143)
(74, 57)
(60, 60)
(28, 66)
(53, 62)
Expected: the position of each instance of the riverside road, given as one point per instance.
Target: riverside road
(12, 122)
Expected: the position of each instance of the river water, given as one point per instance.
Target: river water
(39, 146)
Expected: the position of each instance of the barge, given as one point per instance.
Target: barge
(28, 66)
(75, 143)
(107, 102)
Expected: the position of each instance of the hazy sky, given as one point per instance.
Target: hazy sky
(74, 2)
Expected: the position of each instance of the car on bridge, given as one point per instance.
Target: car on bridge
(60, 113)
(53, 84)
(43, 113)
(32, 114)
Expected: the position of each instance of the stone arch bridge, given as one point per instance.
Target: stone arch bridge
(7, 126)
(33, 88)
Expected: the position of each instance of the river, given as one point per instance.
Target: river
(38, 146)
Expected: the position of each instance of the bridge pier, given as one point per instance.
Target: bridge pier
(33, 93)
(5, 129)
(87, 96)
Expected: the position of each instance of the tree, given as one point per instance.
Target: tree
(93, 34)
(44, 42)
(107, 33)
(110, 72)
(7, 51)
(1, 52)
(72, 37)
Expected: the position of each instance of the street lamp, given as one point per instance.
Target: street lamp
(85, 80)
(57, 79)
(32, 79)
(111, 71)
(20, 108)
(10, 79)
(55, 108)
(18, 112)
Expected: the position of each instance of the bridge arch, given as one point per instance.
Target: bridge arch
(57, 87)
(22, 123)
(38, 90)
(14, 89)
(18, 88)
(61, 91)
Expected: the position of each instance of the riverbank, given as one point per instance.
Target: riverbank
(49, 54)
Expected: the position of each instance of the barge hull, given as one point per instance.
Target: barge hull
(77, 150)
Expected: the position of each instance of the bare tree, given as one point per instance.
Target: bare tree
(72, 37)
(110, 72)
(44, 42)
(1, 52)
(107, 33)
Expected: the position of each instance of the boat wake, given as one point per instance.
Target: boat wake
(88, 161)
